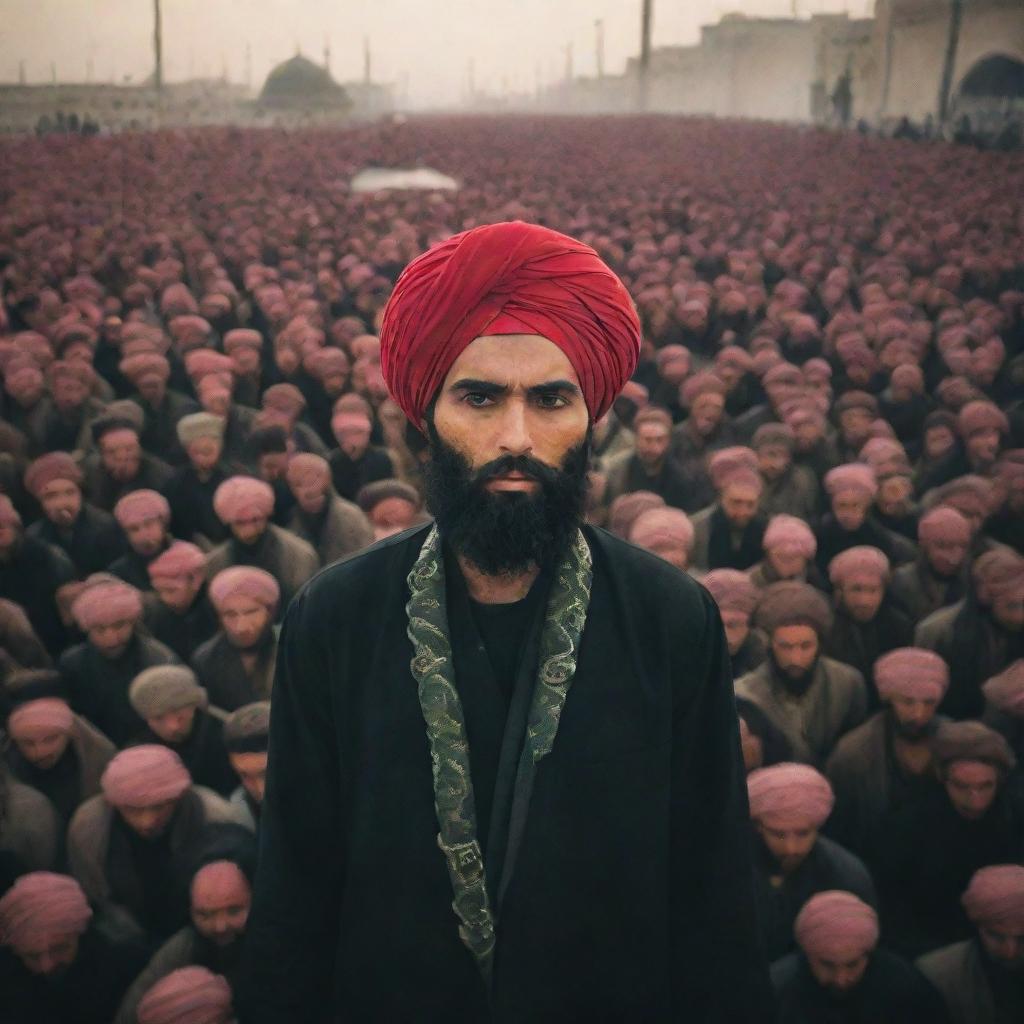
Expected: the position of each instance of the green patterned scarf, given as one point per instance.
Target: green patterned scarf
(433, 669)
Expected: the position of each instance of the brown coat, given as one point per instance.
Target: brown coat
(29, 825)
(957, 972)
(345, 530)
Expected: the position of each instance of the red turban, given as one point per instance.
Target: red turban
(790, 792)
(732, 590)
(911, 672)
(40, 717)
(106, 602)
(139, 506)
(180, 559)
(836, 925)
(662, 527)
(509, 278)
(50, 467)
(143, 776)
(189, 995)
(242, 496)
(39, 906)
(247, 581)
(995, 898)
(789, 535)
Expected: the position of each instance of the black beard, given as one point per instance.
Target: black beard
(506, 533)
(798, 685)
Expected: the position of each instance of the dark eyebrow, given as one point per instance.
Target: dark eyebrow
(489, 387)
(551, 387)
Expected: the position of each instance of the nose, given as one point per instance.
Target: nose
(514, 437)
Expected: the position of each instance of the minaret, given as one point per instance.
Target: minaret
(367, 77)
(327, 53)
(248, 66)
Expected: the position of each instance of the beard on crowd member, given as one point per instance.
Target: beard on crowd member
(796, 678)
(506, 533)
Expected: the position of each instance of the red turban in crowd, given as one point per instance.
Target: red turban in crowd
(836, 925)
(789, 535)
(509, 278)
(106, 602)
(39, 906)
(179, 560)
(143, 776)
(246, 581)
(40, 717)
(912, 672)
(732, 590)
(189, 995)
(995, 898)
(790, 792)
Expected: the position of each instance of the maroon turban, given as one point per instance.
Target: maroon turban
(50, 467)
(911, 672)
(509, 278)
(972, 741)
(189, 995)
(245, 581)
(995, 898)
(856, 563)
(139, 506)
(39, 906)
(789, 534)
(836, 925)
(180, 559)
(732, 590)
(790, 792)
(143, 776)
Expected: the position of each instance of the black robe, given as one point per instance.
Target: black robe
(133, 568)
(203, 752)
(219, 667)
(631, 896)
(160, 426)
(105, 492)
(892, 991)
(191, 501)
(740, 552)
(184, 632)
(30, 578)
(93, 542)
(833, 540)
(349, 475)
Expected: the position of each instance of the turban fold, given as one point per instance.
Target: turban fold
(995, 898)
(834, 925)
(854, 476)
(509, 278)
(790, 792)
(40, 718)
(39, 906)
(790, 603)
(660, 526)
(853, 563)
(105, 603)
(239, 497)
(50, 467)
(981, 415)
(143, 776)
(305, 465)
(789, 535)
(138, 506)
(732, 590)
(372, 494)
(247, 728)
(189, 995)
(911, 672)
(972, 741)
(246, 581)
(627, 508)
(1005, 691)
(943, 525)
(242, 337)
(180, 559)
(156, 691)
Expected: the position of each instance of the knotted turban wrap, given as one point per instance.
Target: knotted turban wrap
(508, 278)
(834, 923)
(189, 995)
(995, 898)
(39, 906)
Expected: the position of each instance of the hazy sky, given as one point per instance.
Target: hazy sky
(515, 42)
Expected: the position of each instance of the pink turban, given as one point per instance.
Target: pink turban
(105, 603)
(325, 361)
(627, 508)
(909, 376)
(307, 465)
(1005, 691)
(943, 524)
(856, 563)
(733, 355)
(789, 535)
(790, 792)
(203, 361)
(145, 365)
(836, 925)
(730, 464)
(138, 506)
(669, 354)
(344, 423)
(911, 672)
(854, 476)
(662, 526)
(189, 995)
(242, 337)
(792, 603)
(995, 898)
(39, 906)
(732, 590)
(247, 581)
(241, 497)
(180, 559)
(700, 384)
(40, 717)
(998, 573)
(50, 467)
(143, 776)
(510, 278)
(286, 398)
(881, 451)
(975, 416)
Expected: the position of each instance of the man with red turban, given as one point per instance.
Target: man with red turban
(144, 516)
(444, 661)
(179, 613)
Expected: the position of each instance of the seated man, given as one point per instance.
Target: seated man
(789, 803)
(57, 965)
(245, 505)
(30, 831)
(736, 598)
(729, 534)
(333, 526)
(246, 736)
(189, 993)
(89, 536)
(886, 763)
(811, 698)
(174, 707)
(666, 532)
(236, 665)
(789, 549)
(938, 576)
(178, 612)
(355, 462)
(120, 465)
(51, 748)
(866, 624)
(98, 672)
(144, 517)
(124, 844)
(789, 488)
(933, 846)
(707, 427)
(284, 405)
(981, 978)
(391, 506)
(162, 407)
(1004, 706)
(840, 973)
(191, 486)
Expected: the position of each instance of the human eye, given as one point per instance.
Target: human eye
(551, 400)
(477, 399)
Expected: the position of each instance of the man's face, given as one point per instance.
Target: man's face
(913, 716)
(789, 564)
(788, 841)
(795, 649)
(42, 750)
(706, 414)
(674, 371)
(894, 494)
(938, 441)
(737, 628)
(174, 726)
(1008, 611)
(854, 424)
(272, 466)
(1005, 946)
(62, 502)
(251, 769)
(334, 383)
(204, 454)
(149, 822)
(740, 503)
(392, 515)
(354, 441)
(152, 389)
(971, 787)
(69, 394)
(111, 639)
(220, 904)
(862, 596)
(249, 529)
(246, 360)
(983, 447)
(147, 537)
(850, 509)
(840, 974)
(506, 478)
(806, 434)
(773, 460)
(178, 592)
(946, 557)
(244, 621)
(121, 454)
(310, 492)
(652, 441)
(48, 956)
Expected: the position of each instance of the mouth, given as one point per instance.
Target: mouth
(512, 482)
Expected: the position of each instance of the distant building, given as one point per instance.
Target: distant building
(299, 91)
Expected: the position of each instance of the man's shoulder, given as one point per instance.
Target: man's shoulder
(858, 741)
(840, 674)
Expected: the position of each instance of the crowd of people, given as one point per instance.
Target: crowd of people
(826, 429)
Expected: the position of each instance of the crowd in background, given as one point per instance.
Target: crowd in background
(826, 429)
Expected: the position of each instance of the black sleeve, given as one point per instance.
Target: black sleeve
(719, 966)
(292, 930)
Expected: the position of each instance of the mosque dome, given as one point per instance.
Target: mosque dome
(298, 82)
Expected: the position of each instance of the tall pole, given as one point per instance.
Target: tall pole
(21, 72)
(366, 60)
(158, 48)
(599, 44)
(956, 17)
(568, 62)
(248, 66)
(646, 16)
